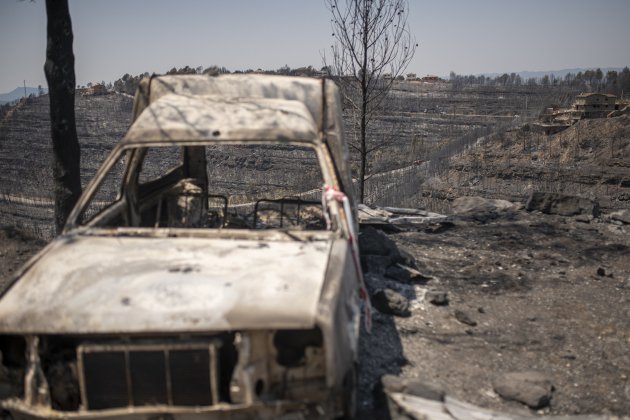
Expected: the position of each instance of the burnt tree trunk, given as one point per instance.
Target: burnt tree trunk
(59, 69)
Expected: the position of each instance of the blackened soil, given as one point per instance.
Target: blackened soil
(547, 293)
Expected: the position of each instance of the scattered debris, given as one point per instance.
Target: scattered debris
(397, 217)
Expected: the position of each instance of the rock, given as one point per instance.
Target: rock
(531, 388)
(563, 205)
(390, 302)
(602, 272)
(393, 383)
(370, 215)
(475, 205)
(464, 318)
(374, 242)
(437, 297)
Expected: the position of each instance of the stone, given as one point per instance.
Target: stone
(475, 205)
(464, 318)
(531, 388)
(562, 205)
(437, 297)
(391, 302)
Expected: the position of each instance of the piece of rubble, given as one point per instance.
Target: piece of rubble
(531, 388)
(437, 297)
(396, 216)
(602, 272)
(562, 205)
(367, 215)
(464, 318)
(391, 302)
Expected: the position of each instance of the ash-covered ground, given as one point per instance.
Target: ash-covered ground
(500, 290)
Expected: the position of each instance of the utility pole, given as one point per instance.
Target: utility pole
(25, 88)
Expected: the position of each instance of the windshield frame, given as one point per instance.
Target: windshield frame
(135, 149)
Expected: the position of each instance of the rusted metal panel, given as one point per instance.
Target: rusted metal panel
(96, 285)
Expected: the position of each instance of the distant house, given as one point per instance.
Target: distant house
(98, 89)
(593, 105)
(430, 78)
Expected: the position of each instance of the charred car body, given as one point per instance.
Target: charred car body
(204, 271)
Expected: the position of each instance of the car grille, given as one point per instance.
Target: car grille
(122, 375)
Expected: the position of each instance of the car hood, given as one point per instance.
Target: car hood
(102, 285)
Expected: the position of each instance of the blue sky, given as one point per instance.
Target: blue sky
(114, 37)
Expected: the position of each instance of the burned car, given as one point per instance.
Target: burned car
(209, 270)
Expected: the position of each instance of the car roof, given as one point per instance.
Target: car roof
(190, 118)
(321, 97)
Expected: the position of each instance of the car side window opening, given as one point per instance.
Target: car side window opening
(108, 198)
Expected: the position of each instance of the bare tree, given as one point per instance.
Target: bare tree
(59, 69)
(373, 46)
